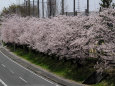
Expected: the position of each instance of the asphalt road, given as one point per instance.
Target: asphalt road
(13, 74)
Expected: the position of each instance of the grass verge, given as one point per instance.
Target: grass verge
(61, 68)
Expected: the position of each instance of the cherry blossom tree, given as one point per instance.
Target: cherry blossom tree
(71, 37)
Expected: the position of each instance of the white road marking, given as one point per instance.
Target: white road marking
(57, 85)
(23, 79)
(29, 70)
(11, 71)
(3, 65)
(3, 83)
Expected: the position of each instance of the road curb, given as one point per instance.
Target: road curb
(38, 70)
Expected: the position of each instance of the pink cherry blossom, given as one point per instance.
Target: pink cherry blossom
(65, 36)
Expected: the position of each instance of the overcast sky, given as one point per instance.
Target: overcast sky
(94, 4)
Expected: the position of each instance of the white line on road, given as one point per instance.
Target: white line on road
(3, 65)
(11, 71)
(23, 79)
(57, 85)
(28, 69)
(3, 83)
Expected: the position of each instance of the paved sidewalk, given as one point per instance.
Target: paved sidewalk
(38, 70)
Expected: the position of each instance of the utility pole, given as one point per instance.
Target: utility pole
(88, 6)
(55, 7)
(78, 5)
(55, 4)
(26, 7)
(38, 8)
(29, 7)
(43, 8)
(24, 4)
(74, 7)
(50, 4)
(33, 7)
(62, 7)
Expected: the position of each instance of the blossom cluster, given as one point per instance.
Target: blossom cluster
(64, 36)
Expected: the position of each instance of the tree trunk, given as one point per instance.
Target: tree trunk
(30, 50)
(14, 47)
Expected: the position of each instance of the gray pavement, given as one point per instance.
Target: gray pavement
(15, 71)
(1, 84)
(13, 74)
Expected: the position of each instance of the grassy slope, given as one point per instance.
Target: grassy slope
(63, 69)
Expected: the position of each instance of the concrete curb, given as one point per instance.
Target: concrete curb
(38, 70)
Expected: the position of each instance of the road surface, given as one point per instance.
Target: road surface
(13, 74)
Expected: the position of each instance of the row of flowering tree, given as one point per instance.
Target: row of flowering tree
(76, 37)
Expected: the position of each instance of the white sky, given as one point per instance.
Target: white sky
(94, 4)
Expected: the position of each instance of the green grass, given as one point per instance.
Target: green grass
(61, 68)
